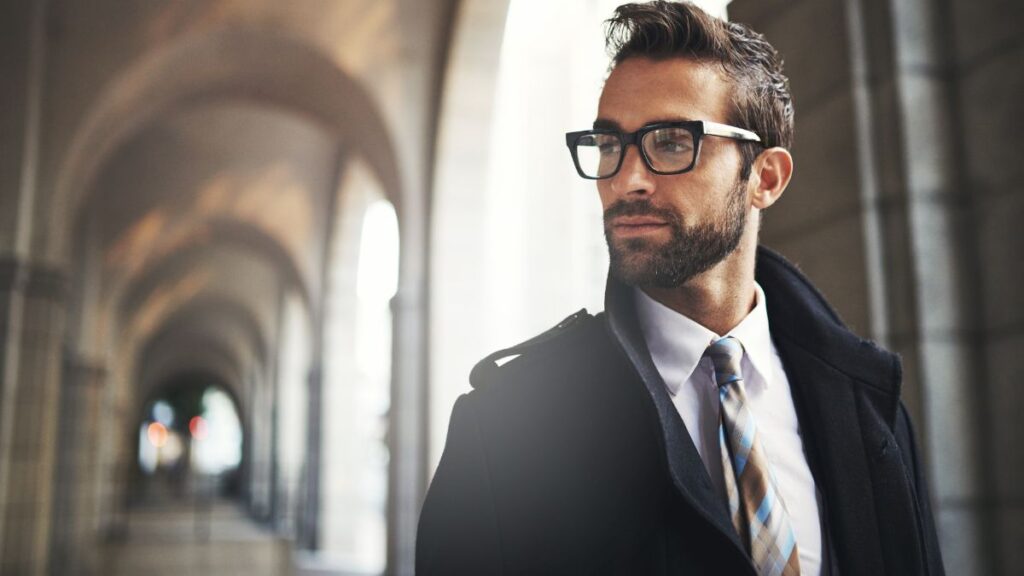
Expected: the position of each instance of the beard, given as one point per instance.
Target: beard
(693, 250)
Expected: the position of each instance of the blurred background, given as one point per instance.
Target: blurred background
(250, 250)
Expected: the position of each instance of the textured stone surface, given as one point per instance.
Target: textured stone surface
(811, 37)
(1001, 247)
(210, 538)
(950, 427)
(960, 539)
(825, 185)
(940, 228)
(833, 257)
(983, 28)
(15, 32)
(990, 96)
(755, 12)
(1001, 413)
(900, 278)
(887, 142)
(1010, 530)
(929, 136)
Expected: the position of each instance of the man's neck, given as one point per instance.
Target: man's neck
(718, 299)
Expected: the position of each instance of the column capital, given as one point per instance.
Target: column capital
(35, 279)
(82, 370)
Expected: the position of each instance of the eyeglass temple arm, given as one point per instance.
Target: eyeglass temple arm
(716, 129)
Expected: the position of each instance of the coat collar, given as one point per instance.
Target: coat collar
(799, 314)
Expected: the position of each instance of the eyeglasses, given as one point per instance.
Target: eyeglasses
(666, 147)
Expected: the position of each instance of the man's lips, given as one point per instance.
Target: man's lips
(630, 225)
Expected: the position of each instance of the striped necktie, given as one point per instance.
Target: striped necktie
(757, 509)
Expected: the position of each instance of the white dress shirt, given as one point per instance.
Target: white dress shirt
(677, 346)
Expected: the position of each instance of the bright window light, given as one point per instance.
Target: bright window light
(217, 441)
(378, 253)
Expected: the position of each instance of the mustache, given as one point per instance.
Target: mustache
(643, 207)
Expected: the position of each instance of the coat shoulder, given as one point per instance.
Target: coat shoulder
(560, 340)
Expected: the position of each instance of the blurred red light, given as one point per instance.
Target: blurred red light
(197, 427)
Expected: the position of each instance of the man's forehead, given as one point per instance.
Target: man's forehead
(642, 91)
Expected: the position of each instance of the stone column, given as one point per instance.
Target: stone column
(946, 282)
(308, 533)
(260, 437)
(76, 522)
(31, 324)
(989, 69)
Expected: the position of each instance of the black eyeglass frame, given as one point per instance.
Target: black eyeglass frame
(697, 128)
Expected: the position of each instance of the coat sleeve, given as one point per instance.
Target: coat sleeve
(458, 527)
(908, 446)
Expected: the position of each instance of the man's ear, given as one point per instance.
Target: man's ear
(769, 176)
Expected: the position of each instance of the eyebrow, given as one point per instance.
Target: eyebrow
(605, 124)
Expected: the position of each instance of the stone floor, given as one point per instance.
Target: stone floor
(216, 539)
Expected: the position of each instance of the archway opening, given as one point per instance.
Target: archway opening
(190, 442)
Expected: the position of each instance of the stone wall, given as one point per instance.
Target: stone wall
(903, 209)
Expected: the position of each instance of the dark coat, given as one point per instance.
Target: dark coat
(571, 458)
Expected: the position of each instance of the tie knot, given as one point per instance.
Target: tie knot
(725, 354)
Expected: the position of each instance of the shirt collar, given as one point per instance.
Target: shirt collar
(677, 343)
(754, 334)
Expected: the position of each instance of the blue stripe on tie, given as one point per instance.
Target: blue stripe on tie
(748, 433)
(766, 506)
(787, 546)
(741, 463)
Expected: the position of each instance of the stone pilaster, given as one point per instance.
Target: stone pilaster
(32, 300)
(75, 518)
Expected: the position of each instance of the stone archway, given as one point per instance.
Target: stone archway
(223, 65)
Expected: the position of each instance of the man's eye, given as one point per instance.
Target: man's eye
(671, 146)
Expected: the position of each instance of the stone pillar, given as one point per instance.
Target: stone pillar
(308, 535)
(940, 221)
(989, 70)
(31, 324)
(262, 437)
(257, 446)
(408, 433)
(76, 521)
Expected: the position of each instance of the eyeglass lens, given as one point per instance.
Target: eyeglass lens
(667, 150)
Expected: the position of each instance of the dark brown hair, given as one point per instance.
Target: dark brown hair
(660, 30)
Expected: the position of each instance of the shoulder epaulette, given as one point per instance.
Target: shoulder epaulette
(485, 369)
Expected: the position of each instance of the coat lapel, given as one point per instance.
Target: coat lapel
(846, 391)
(826, 406)
(689, 476)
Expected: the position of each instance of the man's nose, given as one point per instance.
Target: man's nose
(633, 178)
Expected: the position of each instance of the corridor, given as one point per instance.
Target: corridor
(206, 538)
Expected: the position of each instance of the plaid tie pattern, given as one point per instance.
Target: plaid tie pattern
(758, 512)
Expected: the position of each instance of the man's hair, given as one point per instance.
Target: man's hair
(660, 30)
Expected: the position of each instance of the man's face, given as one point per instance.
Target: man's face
(664, 230)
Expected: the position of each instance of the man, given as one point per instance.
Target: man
(718, 417)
